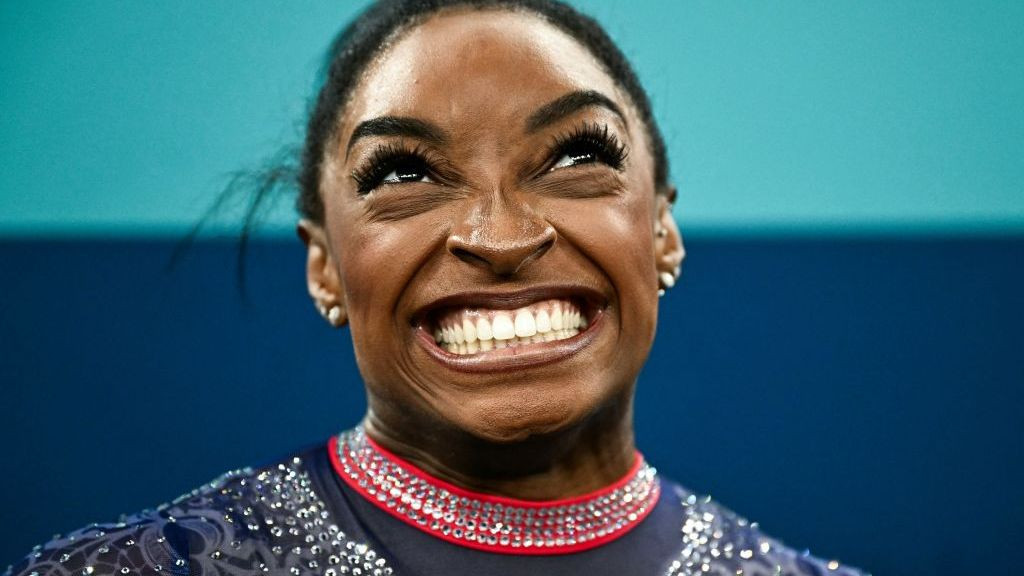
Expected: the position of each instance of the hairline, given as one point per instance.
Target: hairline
(331, 142)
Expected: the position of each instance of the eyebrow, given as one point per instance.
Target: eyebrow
(548, 114)
(397, 126)
(568, 104)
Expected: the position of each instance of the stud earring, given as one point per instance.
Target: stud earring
(661, 232)
(334, 315)
(666, 281)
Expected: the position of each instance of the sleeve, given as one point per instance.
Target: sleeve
(245, 522)
(183, 537)
(139, 544)
(718, 542)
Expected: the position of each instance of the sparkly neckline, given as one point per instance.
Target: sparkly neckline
(487, 522)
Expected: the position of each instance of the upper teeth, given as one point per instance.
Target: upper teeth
(469, 331)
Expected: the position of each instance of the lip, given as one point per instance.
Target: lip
(519, 357)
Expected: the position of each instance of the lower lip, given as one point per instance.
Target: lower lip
(512, 358)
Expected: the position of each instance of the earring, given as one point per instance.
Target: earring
(334, 315)
(667, 281)
(661, 232)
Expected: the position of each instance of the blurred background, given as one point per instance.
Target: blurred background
(842, 361)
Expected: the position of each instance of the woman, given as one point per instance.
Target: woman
(485, 202)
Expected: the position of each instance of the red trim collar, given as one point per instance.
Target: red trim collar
(488, 522)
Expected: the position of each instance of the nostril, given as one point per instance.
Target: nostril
(536, 254)
(543, 248)
(468, 257)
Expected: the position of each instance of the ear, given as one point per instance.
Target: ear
(669, 251)
(322, 278)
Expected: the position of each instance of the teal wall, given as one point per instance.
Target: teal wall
(123, 117)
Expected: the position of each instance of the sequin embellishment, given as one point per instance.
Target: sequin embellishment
(272, 521)
(493, 523)
(265, 521)
(718, 542)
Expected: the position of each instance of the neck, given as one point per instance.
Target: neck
(573, 461)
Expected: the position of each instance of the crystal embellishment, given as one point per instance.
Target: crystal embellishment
(493, 523)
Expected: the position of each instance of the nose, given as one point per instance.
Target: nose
(502, 234)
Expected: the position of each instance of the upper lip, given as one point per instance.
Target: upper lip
(510, 300)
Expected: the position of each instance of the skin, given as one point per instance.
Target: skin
(499, 221)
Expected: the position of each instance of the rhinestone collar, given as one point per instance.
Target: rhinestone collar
(487, 522)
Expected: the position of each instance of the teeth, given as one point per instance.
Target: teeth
(483, 329)
(471, 331)
(543, 321)
(503, 327)
(525, 324)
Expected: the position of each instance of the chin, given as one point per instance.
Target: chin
(524, 415)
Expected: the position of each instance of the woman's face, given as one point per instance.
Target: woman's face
(489, 231)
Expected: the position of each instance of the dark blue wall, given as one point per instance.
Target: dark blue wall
(858, 397)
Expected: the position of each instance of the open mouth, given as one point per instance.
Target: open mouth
(474, 330)
(526, 328)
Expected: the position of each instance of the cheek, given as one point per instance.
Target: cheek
(376, 264)
(615, 234)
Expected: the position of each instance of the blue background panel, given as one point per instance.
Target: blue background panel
(858, 397)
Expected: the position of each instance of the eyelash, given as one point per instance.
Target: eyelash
(594, 139)
(385, 159)
(588, 138)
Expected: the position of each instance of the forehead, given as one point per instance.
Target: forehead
(472, 65)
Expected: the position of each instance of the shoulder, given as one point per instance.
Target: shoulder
(268, 519)
(717, 541)
(156, 540)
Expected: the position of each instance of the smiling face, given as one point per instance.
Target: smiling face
(489, 231)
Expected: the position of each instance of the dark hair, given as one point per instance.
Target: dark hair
(346, 60)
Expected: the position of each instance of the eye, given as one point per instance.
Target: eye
(392, 164)
(407, 170)
(575, 157)
(588, 144)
